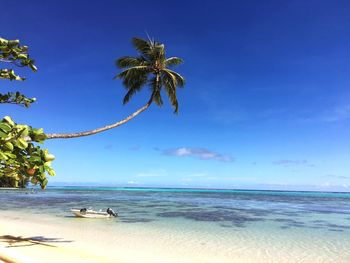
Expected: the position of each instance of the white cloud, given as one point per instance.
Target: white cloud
(287, 162)
(153, 173)
(199, 153)
(148, 175)
(197, 175)
(337, 176)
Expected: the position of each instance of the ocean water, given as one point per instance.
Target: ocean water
(228, 225)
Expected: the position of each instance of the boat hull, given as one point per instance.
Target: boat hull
(90, 214)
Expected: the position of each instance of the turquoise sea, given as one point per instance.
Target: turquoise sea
(271, 226)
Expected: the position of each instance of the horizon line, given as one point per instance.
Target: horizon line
(195, 188)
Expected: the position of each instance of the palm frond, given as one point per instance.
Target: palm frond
(180, 81)
(158, 52)
(173, 61)
(154, 85)
(125, 62)
(169, 78)
(133, 80)
(128, 95)
(155, 90)
(157, 98)
(136, 82)
(170, 87)
(133, 71)
(133, 84)
(141, 45)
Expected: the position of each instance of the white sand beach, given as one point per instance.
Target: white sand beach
(35, 239)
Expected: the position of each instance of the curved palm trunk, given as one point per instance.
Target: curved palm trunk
(105, 128)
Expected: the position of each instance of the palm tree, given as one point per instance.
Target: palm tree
(150, 67)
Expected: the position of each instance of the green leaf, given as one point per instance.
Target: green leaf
(10, 155)
(3, 156)
(9, 146)
(9, 120)
(34, 159)
(50, 171)
(21, 143)
(3, 135)
(5, 127)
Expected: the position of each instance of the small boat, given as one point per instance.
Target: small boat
(89, 213)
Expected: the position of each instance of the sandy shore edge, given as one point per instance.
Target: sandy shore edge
(26, 241)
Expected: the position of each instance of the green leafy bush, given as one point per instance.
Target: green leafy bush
(22, 161)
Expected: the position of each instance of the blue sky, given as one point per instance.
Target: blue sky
(266, 104)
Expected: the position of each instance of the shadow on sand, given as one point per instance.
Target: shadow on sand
(19, 241)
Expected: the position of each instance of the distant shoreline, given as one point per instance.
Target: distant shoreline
(197, 188)
(150, 188)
